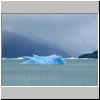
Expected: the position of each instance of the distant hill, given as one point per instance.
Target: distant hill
(90, 55)
(15, 45)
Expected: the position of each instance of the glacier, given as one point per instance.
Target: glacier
(36, 59)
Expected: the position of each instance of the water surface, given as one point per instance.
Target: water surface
(76, 72)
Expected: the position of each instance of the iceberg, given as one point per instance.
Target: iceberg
(36, 59)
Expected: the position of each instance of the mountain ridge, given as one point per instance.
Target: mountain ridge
(90, 55)
(15, 45)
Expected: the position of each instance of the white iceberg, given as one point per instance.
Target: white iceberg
(36, 59)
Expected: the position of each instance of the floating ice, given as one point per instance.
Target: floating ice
(52, 59)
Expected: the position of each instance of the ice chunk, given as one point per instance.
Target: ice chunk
(27, 58)
(36, 59)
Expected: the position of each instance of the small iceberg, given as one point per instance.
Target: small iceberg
(36, 59)
(4, 58)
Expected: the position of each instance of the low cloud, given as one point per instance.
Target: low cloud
(78, 32)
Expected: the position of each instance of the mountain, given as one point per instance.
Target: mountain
(15, 45)
(90, 55)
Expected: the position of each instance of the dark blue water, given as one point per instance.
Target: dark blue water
(76, 72)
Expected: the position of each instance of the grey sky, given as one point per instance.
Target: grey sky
(78, 32)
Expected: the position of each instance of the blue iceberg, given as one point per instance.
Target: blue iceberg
(52, 59)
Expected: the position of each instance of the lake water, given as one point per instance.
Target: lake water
(76, 72)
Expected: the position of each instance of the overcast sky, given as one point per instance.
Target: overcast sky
(78, 32)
